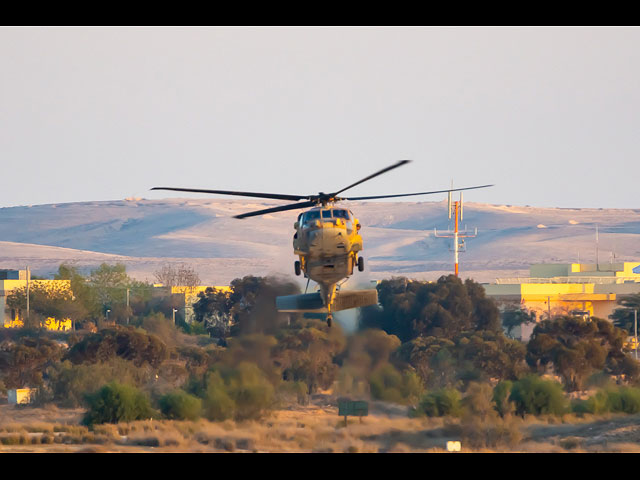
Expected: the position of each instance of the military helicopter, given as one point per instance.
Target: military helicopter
(327, 242)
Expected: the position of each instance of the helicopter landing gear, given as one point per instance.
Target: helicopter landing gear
(296, 267)
(360, 264)
(329, 319)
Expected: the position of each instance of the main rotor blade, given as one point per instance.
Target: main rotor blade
(410, 194)
(292, 206)
(384, 170)
(276, 196)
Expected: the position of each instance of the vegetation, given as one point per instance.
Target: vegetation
(437, 348)
(625, 317)
(115, 403)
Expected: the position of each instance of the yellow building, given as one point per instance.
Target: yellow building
(568, 289)
(21, 396)
(186, 297)
(11, 280)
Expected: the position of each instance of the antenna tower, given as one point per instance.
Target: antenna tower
(458, 244)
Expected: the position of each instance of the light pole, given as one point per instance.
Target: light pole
(635, 330)
(174, 316)
(108, 315)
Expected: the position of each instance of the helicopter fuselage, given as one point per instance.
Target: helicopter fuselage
(327, 242)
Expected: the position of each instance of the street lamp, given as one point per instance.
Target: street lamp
(174, 316)
(108, 315)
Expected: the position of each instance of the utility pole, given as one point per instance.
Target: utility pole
(28, 278)
(127, 306)
(635, 330)
(456, 234)
(597, 242)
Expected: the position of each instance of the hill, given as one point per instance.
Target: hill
(398, 237)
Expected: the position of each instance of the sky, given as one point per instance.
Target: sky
(551, 116)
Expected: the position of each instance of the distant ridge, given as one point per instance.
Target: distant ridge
(398, 237)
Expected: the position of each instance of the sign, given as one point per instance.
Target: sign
(352, 408)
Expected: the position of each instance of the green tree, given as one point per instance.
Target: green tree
(513, 317)
(179, 405)
(243, 392)
(442, 309)
(536, 396)
(249, 308)
(624, 317)
(441, 402)
(577, 348)
(115, 403)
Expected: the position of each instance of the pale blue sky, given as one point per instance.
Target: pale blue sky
(550, 115)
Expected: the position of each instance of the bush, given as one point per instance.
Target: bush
(218, 405)
(179, 405)
(115, 403)
(70, 383)
(388, 384)
(445, 401)
(537, 396)
(615, 400)
(242, 393)
(501, 394)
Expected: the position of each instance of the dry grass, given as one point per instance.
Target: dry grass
(316, 428)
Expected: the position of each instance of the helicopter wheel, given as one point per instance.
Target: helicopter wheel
(296, 267)
(360, 264)
(329, 318)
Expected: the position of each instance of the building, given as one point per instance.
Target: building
(551, 290)
(184, 297)
(21, 396)
(11, 280)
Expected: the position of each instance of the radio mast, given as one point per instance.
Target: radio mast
(458, 245)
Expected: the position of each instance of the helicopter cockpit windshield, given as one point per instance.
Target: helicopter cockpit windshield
(308, 218)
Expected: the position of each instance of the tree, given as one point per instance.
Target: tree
(46, 300)
(576, 348)
(471, 356)
(115, 403)
(179, 405)
(242, 392)
(105, 288)
(537, 396)
(249, 308)
(180, 275)
(513, 317)
(24, 361)
(306, 352)
(624, 317)
(440, 309)
(124, 342)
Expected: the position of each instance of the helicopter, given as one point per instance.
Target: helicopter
(327, 241)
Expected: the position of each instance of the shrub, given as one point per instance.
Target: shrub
(616, 400)
(243, 392)
(71, 383)
(501, 394)
(445, 401)
(537, 396)
(388, 384)
(115, 403)
(179, 405)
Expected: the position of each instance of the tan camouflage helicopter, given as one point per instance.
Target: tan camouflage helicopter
(327, 241)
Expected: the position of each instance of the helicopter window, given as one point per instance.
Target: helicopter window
(311, 216)
(326, 214)
(341, 214)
